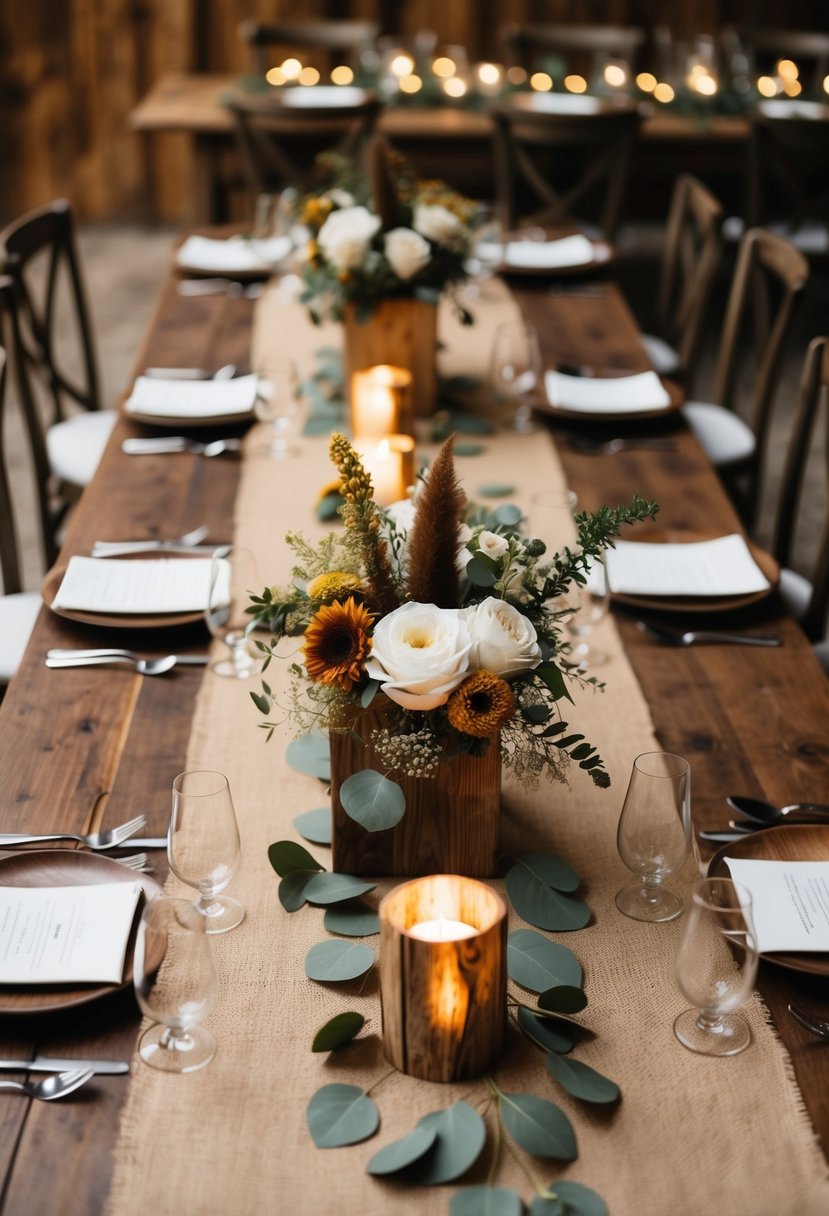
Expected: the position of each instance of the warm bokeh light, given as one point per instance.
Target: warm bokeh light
(697, 70)
(342, 75)
(767, 86)
(454, 87)
(291, 69)
(489, 73)
(410, 83)
(787, 69)
(826, 84)
(516, 75)
(542, 82)
(309, 76)
(792, 88)
(646, 81)
(575, 84)
(275, 76)
(444, 67)
(402, 65)
(615, 76)
(706, 85)
(664, 93)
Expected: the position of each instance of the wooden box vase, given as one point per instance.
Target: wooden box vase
(402, 333)
(451, 821)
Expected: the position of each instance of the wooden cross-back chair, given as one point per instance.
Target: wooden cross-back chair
(571, 155)
(579, 46)
(334, 42)
(788, 172)
(770, 275)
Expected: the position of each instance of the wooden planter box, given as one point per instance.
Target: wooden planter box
(451, 822)
(402, 333)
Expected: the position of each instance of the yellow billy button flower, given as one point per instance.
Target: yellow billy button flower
(482, 704)
(337, 644)
(334, 585)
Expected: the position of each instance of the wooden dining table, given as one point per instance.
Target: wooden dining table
(76, 755)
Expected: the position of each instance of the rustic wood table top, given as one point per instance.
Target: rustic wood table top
(83, 753)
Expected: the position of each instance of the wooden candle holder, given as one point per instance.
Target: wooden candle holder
(444, 1001)
(380, 401)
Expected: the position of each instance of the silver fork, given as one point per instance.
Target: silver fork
(136, 861)
(56, 1086)
(112, 548)
(109, 839)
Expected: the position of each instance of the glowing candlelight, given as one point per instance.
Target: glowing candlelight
(390, 464)
(410, 84)
(454, 87)
(342, 74)
(291, 68)
(575, 84)
(489, 77)
(542, 82)
(381, 401)
(442, 930)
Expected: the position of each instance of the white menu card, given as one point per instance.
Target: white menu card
(131, 588)
(158, 398)
(790, 902)
(723, 566)
(63, 935)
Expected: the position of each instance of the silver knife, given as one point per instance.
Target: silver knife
(47, 1064)
(145, 842)
(60, 655)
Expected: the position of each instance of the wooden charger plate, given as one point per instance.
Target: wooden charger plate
(699, 603)
(616, 417)
(66, 868)
(118, 620)
(791, 842)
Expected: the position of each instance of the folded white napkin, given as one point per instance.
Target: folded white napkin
(192, 398)
(322, 95)
(574, 250)
(561, 103)
(235, 255)
(132, 588)
(614, 395)
(723, 566)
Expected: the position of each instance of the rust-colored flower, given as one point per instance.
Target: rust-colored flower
(337, 644)
(482, 704)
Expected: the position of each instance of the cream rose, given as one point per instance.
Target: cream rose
(503, 640)
(345, 236)
(440, 225)
(420, 654)
(407, 252)
(493, 545)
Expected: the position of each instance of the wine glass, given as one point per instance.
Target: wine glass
(486, 254)
(716, 967)
(203, 845)
(516, 373)
(277, 405)
(654, 834)
(589, 605)
(175, 984)
(233, 576)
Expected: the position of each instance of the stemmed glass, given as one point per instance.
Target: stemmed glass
(654, 834)
(716, 967)
(516, 372)
(589, 604)
(233, 576)
(277, 405)
(175, 983)
(203, 845)
(487, 253)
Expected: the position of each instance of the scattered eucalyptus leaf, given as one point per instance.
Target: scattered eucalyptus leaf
(292, 889)
(551, 870)
(341, 1114)
(372, 800)
(352, 920)
(469, 449)
(480, 574)
(369, 693)
(286, 856)
(547, 1205)
(541, 1032)
(310, 754)
(537, 964)
(578, 1200)
(486, 1201)
(332, 962)
(540, 904)
(563, 998)
(335, 888)
(403, 1152)
(328, 506)
(539, 1126)
(338, 1030)
(508, 515)
(315, 825)
(582, 1081)
(461, 1134)
(496, 489)
(550, 1015)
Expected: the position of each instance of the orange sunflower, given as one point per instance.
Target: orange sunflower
(337, 643)
(482, 704)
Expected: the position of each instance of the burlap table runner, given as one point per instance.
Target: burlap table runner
(690, 1135)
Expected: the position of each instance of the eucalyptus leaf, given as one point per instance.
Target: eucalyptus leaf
(582, 1081)
(468, 449)
(461, 1134)
(286, 856)
(539, 1126)
(372, 800)
(479, 574)
(315, 825)
(352, 920)
(536, 713)
(579, 1200)
(341, 1114)
(486, 1201)
(537, 964)
(540, 904)
(551, 870)
(338, 1030)
(403, 1152)
(543, 1205)
(553, 677)
(508, 515)
(310, 754)
(334, 961)
(496, 489)
(292, 889)
(369, 693)
(335, 888)
(541, 1032)
(563, 998)
(328, 507)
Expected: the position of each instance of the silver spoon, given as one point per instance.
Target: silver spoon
(765, 812)
(144, 667)
(56, 1086)
(689, 637)
(809, 1021)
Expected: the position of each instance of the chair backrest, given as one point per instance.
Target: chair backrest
(581, 47)
(279, 142)
(340, 40)
(39, 252)
(9, 556)
(788, 166)
(691, 257)
(808, 49)
(571, 155)
(813, 399)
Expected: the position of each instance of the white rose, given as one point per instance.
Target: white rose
(493, 545)
(345, 236)
(420, 654)
(503, 640)
(401, 514)
(407, 252)
(440, 225)
(339, 197)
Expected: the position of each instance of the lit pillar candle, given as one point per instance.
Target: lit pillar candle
(389, 461)
(381, 401)
(443, 977)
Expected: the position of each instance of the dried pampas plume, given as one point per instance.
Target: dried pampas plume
(433, 574)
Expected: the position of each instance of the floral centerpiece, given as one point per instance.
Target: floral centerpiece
(447, 617)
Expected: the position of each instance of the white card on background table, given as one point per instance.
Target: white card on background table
(192, 398)
(723, 566)
(130, 588)
(790, 902)
(606, 395)
(64, 935)
(542, 255)
(235, 255)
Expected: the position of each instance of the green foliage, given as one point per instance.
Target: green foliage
(372, 800)
(351, 920)
(327, 889)
(542, 1033)
(332, 962)
(461, 1134)
(539, 1126)
(310, 754)
(582, 1081)
(341, 1114)
(486, 1201)
(537, 964)
(531, 889)
(402, 1153)
(563, 998)
(337, 1031)
(315, 825)
(286, 856)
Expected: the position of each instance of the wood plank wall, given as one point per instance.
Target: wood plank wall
(71, 70)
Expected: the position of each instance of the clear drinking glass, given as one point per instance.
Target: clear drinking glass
(716, 967)
(278, 405)
(654, 834)
(516, 372)
(175, 983)
(233, 576)
(203, 845)
(589, 604)
(486, 255)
